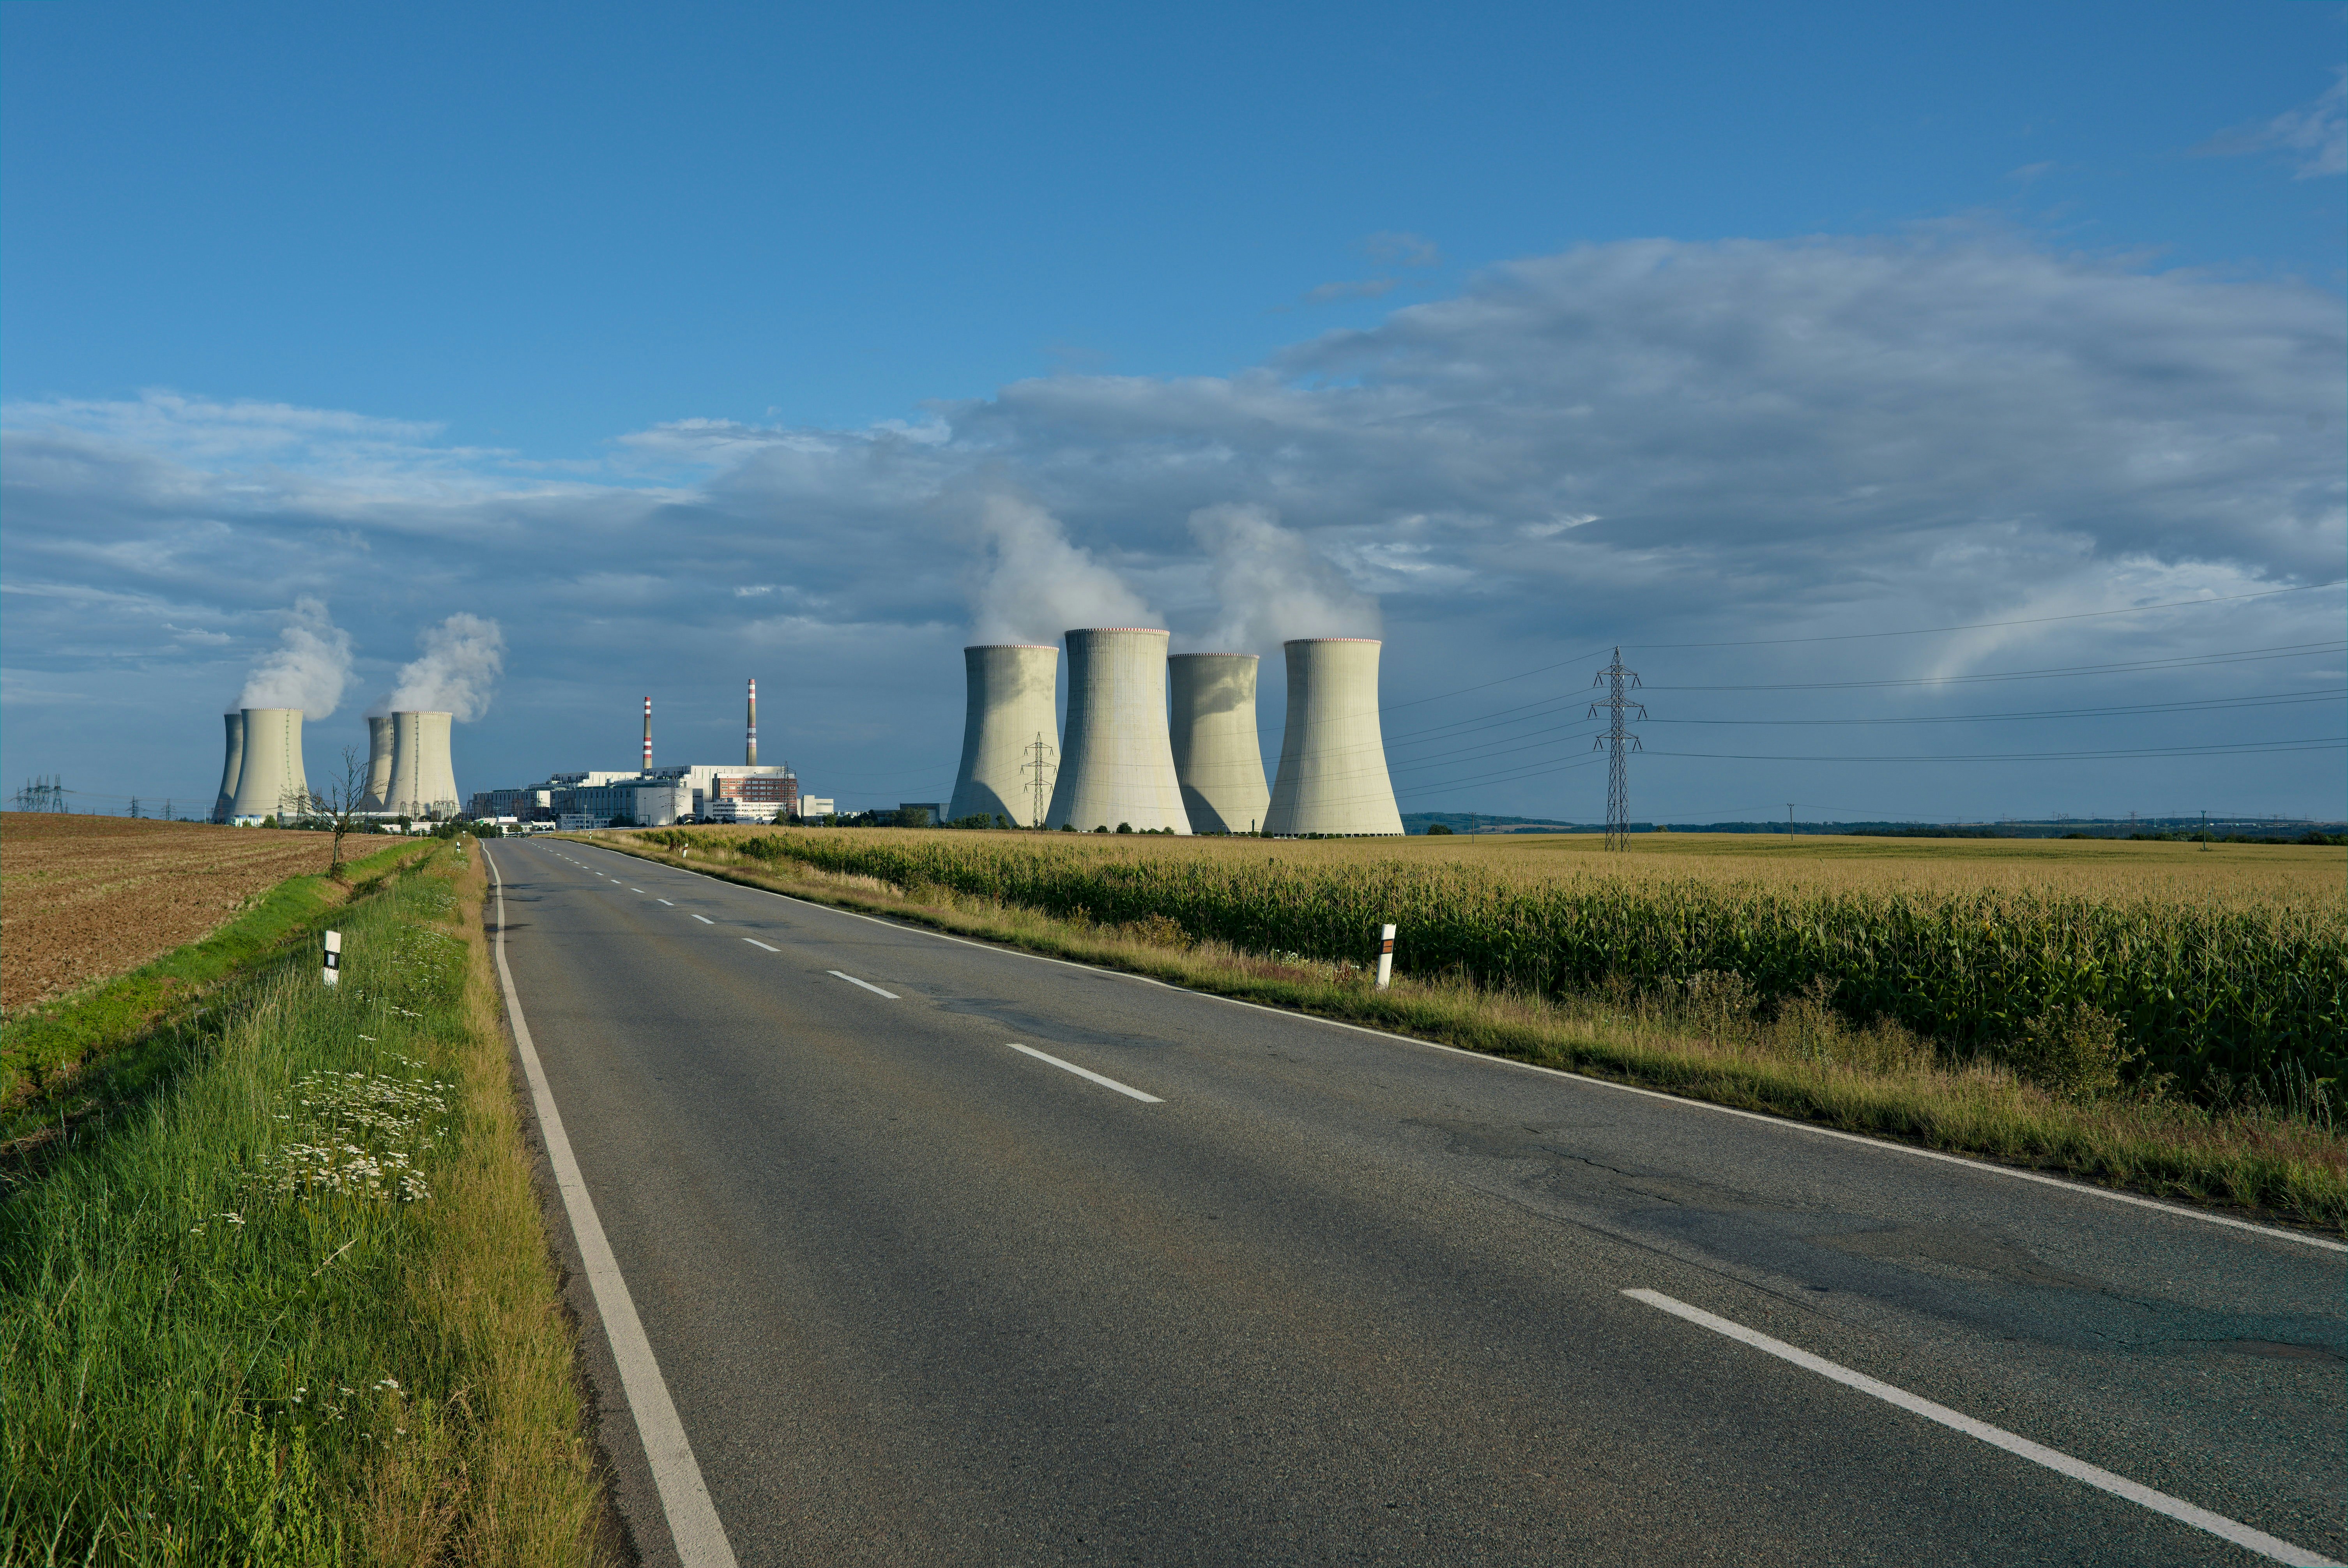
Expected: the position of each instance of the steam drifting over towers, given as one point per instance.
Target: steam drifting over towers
(1117, 762)
(1218, 761)
(230, 765)
(268, 778)
(1011, 691)
(423, 782)
(1333, 760)
(379, 773)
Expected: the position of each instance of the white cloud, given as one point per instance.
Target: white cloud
(1653, 441)
(2317, 133)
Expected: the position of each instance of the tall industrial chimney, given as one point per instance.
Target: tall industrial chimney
(750, 742)
(379, 773)
(423, 781)
(270, 781)
(230, 767)
(1332, 759)
(1217, 759)
(1011, 691)
(648, 735)
(1117, 765)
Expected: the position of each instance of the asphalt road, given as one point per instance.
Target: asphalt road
(1330, 1296)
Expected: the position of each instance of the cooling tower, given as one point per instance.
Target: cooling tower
(422, 781)
(230, 766)
(1116, 764)
(269, 780)
(1012, 686)
(1217, 759)
(1333, 761)
(379, 773)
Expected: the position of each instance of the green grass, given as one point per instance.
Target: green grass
(297, 1307)
(1802, 1059)
(65, 1037)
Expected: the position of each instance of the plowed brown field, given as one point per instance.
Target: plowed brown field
(83, 898)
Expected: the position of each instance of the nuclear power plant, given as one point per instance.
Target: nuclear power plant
(379, 773)
(1117, 761)
(1332, 759)
(266, 749)
(1010, 733)
(423, 780)
(234, 761)
(1218, 761)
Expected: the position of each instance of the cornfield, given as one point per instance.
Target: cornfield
(2211, 991)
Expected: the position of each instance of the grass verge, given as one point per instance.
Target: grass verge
(44, 1051)
(299, 1306)
(1807, 1063)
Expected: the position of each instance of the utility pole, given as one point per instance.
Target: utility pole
(1618, 779)
(1040, 787)
(1789, 822)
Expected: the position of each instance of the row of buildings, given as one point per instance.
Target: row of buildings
(650, 796)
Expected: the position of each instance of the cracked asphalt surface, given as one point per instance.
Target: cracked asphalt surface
(1340, 1298)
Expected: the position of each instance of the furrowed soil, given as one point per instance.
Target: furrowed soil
(84, 898)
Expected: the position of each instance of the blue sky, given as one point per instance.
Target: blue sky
(710, 341)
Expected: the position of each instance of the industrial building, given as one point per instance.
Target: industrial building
(1333, 758)
(1010, 733)
(1218, 761)
(651, 797)
(1117, 761)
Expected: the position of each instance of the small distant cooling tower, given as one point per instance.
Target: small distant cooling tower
(270, 781)
(1332, 759)
(1117, 762)
(379, 773)
(423, 783)
(1217, 759)
(230, 767)
(1011, 692)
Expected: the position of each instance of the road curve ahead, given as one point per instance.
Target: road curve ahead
(936, 1253)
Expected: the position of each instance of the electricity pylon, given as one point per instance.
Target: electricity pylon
(1039, 762)
(1615, 742)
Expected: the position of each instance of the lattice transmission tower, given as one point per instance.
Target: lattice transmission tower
(1039, 762)
(1615, 742)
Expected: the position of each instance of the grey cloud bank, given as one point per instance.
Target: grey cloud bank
(1648, 442)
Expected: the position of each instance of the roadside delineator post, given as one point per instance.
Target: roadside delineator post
(1386, 956)
(333, 957)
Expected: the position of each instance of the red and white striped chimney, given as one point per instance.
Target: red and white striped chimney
(750, 745)
(648, 735)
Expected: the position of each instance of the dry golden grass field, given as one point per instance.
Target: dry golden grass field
(83, 898)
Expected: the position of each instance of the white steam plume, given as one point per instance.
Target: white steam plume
(1037, 585)
(459, 669)
(307, 670)
(1272, 585)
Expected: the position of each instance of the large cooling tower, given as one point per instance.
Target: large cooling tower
(379, 773)
(422, 781)
(230, 766)
(1011, 691)
(1333, 761)
(1217, 759)
(1117, 765)
(270, 781)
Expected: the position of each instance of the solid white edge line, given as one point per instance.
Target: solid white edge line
(1985, 1167)
(867, 985)
(756, 943)
(1087, 1072)
(691, 1517)
(2217, 1524)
